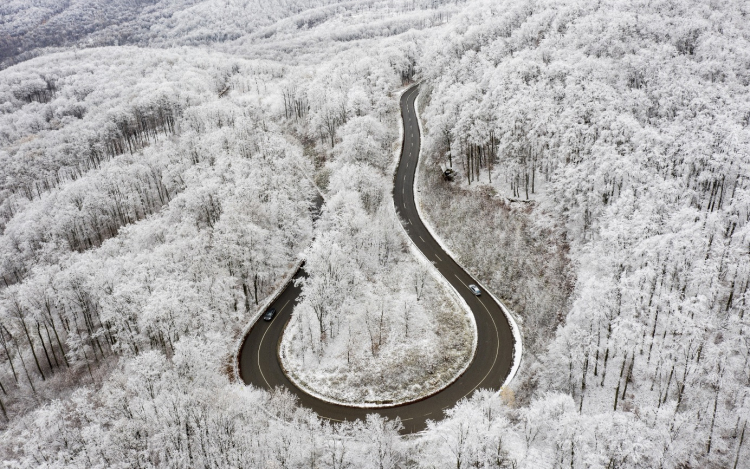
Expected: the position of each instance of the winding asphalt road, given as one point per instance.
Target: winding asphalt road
(258, 358)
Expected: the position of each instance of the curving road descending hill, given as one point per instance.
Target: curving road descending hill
(258, 358)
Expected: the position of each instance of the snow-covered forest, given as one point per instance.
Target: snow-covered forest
(160, 165)
(366, 289)
(619, 136)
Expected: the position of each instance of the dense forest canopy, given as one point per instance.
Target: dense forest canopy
(157, 190)
(627, 125)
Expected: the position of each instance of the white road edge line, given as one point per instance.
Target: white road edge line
(439, 277)
(515, 329)
(261, 342)
(497, 349)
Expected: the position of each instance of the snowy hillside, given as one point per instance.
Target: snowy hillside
(160, 164)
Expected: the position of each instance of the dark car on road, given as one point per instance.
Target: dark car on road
(269, 315)
(475, 290)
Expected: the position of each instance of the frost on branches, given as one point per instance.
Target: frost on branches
(372, 326)
(625, 127)
(151, 198)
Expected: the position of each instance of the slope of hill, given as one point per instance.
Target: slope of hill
(153, 194)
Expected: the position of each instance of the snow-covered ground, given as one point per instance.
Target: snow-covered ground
(151, 198)
(410, 366)
(391, 330)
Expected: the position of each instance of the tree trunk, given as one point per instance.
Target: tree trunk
(739, 445)
(7, 353)
(713, 421)
(23, 363)
(39, 332)
(526, 185)
(247, 296)
(622, 371)
(60, 346)
(33, 351)
(255, 286)
(630, 373)
(583, 379)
